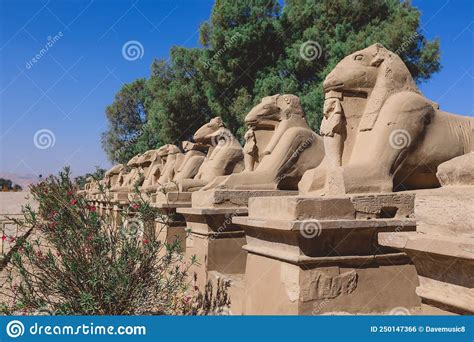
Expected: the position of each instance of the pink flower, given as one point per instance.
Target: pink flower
(135, 206)
(73, 202)
(4, 237)
(145, 241)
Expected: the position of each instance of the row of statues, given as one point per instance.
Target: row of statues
(378, 134)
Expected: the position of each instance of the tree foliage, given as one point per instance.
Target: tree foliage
(7, 185)
(126, 116)
(251, 49)
(80, 181)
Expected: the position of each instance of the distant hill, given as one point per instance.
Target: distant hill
(22, 180)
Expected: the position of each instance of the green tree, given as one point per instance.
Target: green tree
(126, 116)
(180, 108)
(241, 41)
(340, 27)
(266, 58)
(80, 181)
(17, 187)
(251, 49)
(7, 185)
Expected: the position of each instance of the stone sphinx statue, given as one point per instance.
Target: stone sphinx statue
(224, 157)
(279, 148)
(113, 176)
(169, 155)
(380, 133)
(129, 175)
(163, 163)
(180, 165)
(89, 185)
(188, 164)
(154, 171)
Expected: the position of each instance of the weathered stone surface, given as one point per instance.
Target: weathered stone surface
(394, 205)
(279, 148)
(232, 198)
(445, 211)
(321, 256)
(457, 171)
(376, 288)
(173, 199)
(224, 156)
(188, 164)
(215, 241)
(384, 205)
(323, 286)
(442, 249)
(383, 132)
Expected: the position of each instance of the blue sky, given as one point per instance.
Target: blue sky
(65, 91)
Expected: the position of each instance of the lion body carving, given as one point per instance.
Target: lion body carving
(224, 157)
(279, 147)
(392, 137)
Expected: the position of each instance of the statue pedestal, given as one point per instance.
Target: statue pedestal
(171, 226)
(310, 255)
(119, 201)
(119, 197)
(216, 241)
(442, 249)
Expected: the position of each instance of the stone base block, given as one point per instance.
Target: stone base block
(442, 249)
(320, 255)
(370, 206)
(235, 291)
(232, 198)
(172, 199)
(170, 232)
(119, 197)
(445, 266)
(215, 241)
(171, 226)
(334, 285)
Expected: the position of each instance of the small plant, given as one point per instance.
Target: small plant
(77, 262)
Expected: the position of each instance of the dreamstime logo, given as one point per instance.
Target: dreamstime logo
(225, 138)
(310, 50)
(49, 44)
(133, 50)
(399, 139)
(133, 228)
(400, 311)
(311, 229)
(44, 139)
(221, 51)
(15, 329)
(406, 44)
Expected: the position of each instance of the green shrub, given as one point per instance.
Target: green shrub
(77, 262)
